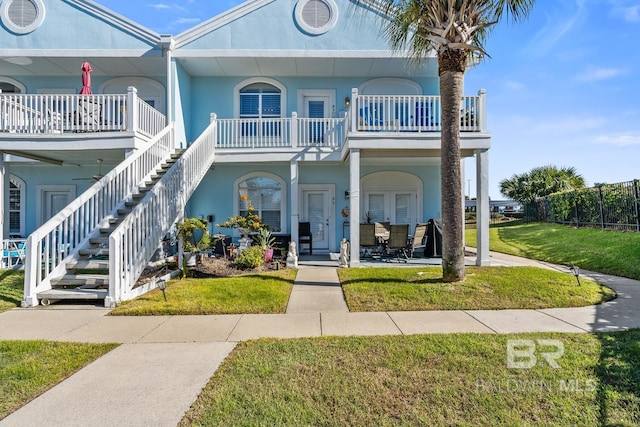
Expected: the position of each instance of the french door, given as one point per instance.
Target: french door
(397, 207)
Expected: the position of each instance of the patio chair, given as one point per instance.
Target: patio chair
(13, 253)
(369, 120)
(304, 236)
(417, 241)
(368, 240)
(398, 244)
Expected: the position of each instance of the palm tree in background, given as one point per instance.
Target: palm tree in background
(455, 30)
(540, 182)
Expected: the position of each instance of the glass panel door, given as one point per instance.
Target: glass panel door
(316, 207)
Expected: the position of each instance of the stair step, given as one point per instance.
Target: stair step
(130, 204)
(99, 240)
(107, 230)
(124, 211)
(87, 281)
(89, 264)
(73, 294)
(115, 220)
(94, 252)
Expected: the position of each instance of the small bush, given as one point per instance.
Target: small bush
(252, 257)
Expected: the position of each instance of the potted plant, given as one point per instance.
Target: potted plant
(195, 237)
(265, 241)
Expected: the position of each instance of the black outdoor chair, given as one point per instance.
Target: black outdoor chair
(304, 236)
(417, 241)
(398, 243)
(368, 240)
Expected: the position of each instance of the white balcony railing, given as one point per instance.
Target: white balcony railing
(368, 113)
(54, 114)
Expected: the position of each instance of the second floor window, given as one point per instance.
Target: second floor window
(260, 101)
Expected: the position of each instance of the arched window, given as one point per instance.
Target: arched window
(266, 193)
(16, 206)
(260, 101)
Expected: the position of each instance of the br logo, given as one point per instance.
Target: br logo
(521, 354)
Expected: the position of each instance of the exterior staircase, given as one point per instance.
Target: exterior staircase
(87, 276)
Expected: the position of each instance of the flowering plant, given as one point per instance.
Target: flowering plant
(345, 212)
(248, 222)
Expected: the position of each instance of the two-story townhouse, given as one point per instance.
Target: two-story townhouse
(297, 104)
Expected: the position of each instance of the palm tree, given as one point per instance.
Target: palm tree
(540, 182)
(455, 30)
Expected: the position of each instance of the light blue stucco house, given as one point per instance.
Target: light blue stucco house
(297, 104)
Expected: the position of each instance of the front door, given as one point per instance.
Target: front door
(397, 207)
(317, 208)
(53, 198)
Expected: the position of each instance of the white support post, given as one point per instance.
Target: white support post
(482, 110)
(295, 214)
(483, 212)
(3, 177)
(354, 110)
(132, 108)
(294, 130)
(354, 206)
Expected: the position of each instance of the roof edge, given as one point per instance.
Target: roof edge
(218, 21)
(117, 20)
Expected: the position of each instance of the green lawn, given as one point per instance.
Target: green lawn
(430, 380)
(610, 252)
(251, 293)
(11, 289)
(485, 288)
(29, 368)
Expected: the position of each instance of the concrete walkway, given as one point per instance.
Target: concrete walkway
(164, 361)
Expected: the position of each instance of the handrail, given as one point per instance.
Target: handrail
(150, 120)
(254, 133)
(327, 132)
(135, 240)
(60, 237)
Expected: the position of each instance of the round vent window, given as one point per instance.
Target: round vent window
(22, 16)
(316, 16)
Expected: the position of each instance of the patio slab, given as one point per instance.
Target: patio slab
(441, 322)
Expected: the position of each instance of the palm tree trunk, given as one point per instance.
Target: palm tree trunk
(451, 63)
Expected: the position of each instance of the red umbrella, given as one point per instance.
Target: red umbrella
(86, 79)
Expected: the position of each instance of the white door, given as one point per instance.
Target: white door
(317, 209)
(53, 199)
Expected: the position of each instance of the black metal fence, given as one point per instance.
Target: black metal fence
(608, 206)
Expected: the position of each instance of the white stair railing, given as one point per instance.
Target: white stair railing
(135, 240)
(63, 235)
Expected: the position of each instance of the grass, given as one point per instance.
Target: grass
(29, 368)
(458, 379)
(11, 289)
(609, 252)
(485, 288)
(251, 293)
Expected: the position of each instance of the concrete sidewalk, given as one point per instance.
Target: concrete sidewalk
(166, 360)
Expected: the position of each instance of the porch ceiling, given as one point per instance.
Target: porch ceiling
(71, 157)
(70, 66)
(304, 66)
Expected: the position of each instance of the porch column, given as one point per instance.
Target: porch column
(132, 108)
(483, 212)
(295, 215)
(354, 206)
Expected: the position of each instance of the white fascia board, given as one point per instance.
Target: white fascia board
(117, 20)
(89, 53)
(221, 20)
(284, 53)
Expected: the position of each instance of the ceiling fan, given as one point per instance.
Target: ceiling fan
(94, 178)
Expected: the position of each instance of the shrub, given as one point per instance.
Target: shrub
(252, 257)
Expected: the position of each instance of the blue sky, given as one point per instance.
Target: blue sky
(563, 87)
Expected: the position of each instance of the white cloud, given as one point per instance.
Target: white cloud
(628, 13)
(556, 27)
(620, 139)
(594, 74)
(514, 85)
(182, 21)
(160, 6)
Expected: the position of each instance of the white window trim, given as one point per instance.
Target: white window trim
(283, 197)
(19, 182)
(395, 83)
(333, 7)
(4, 15)
(23, 88)
(252, 80)
(148, 89)
(392, 182)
